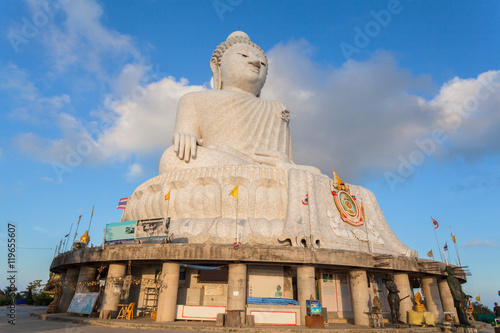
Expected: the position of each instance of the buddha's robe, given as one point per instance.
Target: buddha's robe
(235, 129)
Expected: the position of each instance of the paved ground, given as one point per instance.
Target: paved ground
(70, 324)
(25, 323)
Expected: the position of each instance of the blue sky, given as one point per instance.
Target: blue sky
(400, 97)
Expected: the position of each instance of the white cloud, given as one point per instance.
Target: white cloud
(135, 171)
(145, 121)
(363, 118)
(82, 40)
(29, 104)
(48, 179)
(478, 242)
(470, 112)
(354, 118)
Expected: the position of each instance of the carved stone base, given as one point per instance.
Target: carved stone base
(270, 209)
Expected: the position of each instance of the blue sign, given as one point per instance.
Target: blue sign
(313, 308)
(120, 232)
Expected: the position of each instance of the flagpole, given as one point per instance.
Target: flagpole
(67, 238)
(64, 243)
(91, 216)
(76, 231)
(237, 198)
(456, 247)
(445, 259)
(435, 234)
(458, 255)
(449, 256)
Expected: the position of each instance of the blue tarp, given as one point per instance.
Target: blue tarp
(271, 300)
(202, 268)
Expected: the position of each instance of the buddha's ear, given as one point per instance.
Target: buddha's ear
(216, 74)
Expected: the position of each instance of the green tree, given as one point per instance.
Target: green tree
(480, 309)
(32, 290)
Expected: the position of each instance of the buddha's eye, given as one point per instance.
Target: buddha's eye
(263, 63)
(243, 55)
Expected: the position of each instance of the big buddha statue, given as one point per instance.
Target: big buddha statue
(228, 137)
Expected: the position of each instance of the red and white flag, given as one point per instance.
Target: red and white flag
(122, 204)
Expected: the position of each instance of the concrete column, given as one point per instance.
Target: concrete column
(237, 287)
(306, 288)
(447, 298)
(87, 274)
(167, 299)
(360, 297)
(68, 289)
(432, 298)
(112, 291)
(403, 283)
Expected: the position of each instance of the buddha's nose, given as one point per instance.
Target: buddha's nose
(254, 61)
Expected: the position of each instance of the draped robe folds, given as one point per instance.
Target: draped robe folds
(235, 129)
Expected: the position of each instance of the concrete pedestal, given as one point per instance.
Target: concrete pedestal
(306, 288)
(87, 274)
(447, 298)
(167, 298)
(360, 297)
(68, 289)
(403, 283)
(432, 298)
(112, 291)
(237, 288)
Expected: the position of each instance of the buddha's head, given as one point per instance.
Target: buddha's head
(239, 64)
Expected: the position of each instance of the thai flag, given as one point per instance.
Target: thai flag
(122, 204)
(445, 246)
(306, 200)
(436, 224)
(236, 245)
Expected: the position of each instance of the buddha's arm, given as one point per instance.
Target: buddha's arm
(187, 129)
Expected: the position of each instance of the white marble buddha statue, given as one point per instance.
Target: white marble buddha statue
(231, 125)
(229, 136)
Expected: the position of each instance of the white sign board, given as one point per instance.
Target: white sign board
(83, 303)
(265, 281)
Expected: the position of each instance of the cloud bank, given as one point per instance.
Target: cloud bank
(365, 118)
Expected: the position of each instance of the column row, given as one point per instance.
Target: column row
(437, 294)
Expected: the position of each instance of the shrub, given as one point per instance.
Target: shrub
(43, 299)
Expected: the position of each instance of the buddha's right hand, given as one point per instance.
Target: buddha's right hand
(185, 145)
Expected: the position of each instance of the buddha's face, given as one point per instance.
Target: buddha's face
(243, 67)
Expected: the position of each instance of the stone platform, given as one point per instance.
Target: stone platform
(223, 254)
(145, 323)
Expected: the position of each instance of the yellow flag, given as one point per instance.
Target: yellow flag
(454, 239)
(167, 196)
(478, 298)
(234, 192)
(430, 254)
